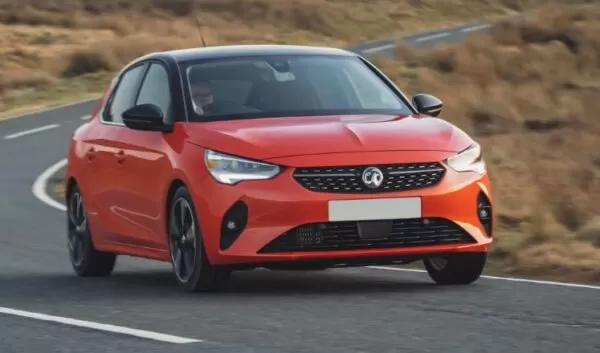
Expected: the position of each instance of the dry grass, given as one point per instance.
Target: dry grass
(529, 92)
(45, 42)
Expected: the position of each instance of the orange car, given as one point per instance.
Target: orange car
(284, 157)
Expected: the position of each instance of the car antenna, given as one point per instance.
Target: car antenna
(199, 25)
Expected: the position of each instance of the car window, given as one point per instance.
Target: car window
(123, 97)
(367, 85)
(155, 89)
(330, 87)
(279, 86)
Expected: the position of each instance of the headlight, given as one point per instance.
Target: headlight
(231, 170)
(469, 160)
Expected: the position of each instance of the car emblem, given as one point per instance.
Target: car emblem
(372, 177)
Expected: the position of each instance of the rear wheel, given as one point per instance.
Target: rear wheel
(85, 259)
(191, 266)
(460, 268)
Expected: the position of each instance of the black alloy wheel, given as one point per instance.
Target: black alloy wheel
(183, 240)
(191, 266)
(85, 259)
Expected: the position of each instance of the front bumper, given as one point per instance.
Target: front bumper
(269, 209)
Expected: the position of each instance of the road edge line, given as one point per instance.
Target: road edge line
(47, 109)
(500, 278)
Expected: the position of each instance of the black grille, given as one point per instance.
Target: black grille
(369, 235)
(348, 179)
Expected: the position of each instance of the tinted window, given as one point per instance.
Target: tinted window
(155, 89)
(123, 97)
(286, 86)
(236, 91)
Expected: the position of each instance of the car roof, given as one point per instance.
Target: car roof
(227, 51)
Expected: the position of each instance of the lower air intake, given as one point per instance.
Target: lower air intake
(369, 235)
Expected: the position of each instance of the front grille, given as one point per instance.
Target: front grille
(351, 235)
(349, 179)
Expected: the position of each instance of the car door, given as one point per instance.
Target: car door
(144, 167)
(106, 149)
(92, 177)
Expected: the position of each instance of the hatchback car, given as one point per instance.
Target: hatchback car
(283, 157)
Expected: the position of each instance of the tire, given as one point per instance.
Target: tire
(195, 274)
(456, 269)
(85, 259)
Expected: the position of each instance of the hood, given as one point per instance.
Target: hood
(268, 138)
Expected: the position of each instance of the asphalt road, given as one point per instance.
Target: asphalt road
(346, 310)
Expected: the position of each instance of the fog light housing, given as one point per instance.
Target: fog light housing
(484, 213)
(233, 224)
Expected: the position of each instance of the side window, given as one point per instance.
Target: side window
(123, 97)
(156, 90)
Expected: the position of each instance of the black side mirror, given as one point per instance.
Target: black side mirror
(428, 104)
(145, 117)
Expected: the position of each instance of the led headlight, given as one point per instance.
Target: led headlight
(468, 160)
(231, 170)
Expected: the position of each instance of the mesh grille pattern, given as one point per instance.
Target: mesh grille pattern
(348, 179)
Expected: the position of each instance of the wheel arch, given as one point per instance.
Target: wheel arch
(69, 184)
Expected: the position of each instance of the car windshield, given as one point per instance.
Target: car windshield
(278, 86)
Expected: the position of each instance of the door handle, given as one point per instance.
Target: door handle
(120, 156)
(90, 154)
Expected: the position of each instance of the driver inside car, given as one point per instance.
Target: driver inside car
(202, 97)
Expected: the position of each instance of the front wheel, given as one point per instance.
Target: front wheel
(85, 259)
(192, 269)
(460, 268)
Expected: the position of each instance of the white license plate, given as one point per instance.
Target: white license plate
(374, 209)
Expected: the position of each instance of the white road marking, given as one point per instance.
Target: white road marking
(432, 37)
(85, 117)
(510, 279)
(427, 38)
(376, 49)
(41, 182)
(39, 190)
(31, 131)
(99, 326)
(476, 28)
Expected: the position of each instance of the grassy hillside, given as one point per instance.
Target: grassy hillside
(529, 91)
(61, 50)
